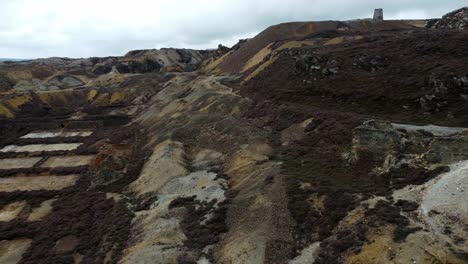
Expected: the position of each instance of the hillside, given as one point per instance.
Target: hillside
(290, 35)
(313, 142)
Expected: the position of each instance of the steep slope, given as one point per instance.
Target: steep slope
(238, 59)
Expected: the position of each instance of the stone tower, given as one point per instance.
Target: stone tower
(378, 14)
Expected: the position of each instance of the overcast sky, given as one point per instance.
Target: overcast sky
(84, 28)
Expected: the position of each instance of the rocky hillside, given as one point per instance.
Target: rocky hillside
(247, 55)
(313, 142)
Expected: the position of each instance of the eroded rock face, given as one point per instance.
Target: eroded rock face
(440, 89)
(143, 66)
(429, 197)
(144, 61)
(62, 73)
(443, 145)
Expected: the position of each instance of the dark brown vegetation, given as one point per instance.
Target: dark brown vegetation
(373, 76)
(199, 230)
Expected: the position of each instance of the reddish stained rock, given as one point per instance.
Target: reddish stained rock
(66, 244)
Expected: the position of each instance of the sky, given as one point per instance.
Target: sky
(71, 28)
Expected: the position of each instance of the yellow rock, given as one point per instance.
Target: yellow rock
(92, 94)
(9, 106)
(11, 211)
(51, 97)
(117, 97)
(12, 250)
(5, 112)
(16, 102)
(102, 99)
(42, 210)
(295, 44)
(334, 41)
(258, 58)
(211, 65)
(261, 68)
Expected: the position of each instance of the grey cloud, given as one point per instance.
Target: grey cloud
(30, 28)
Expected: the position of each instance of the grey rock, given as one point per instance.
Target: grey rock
(70, 81)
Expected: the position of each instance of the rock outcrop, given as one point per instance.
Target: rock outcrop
(457, 19)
